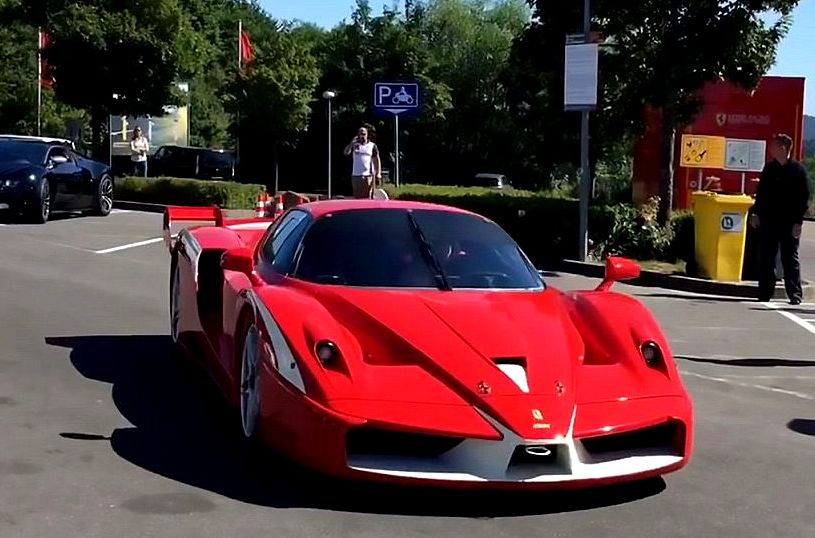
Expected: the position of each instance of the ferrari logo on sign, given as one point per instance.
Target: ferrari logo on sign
(721, 119)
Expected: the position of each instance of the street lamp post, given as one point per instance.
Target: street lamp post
(328, 95)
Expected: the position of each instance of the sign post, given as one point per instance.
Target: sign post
(397, 98)
(580, 94)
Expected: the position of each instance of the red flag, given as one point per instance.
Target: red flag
(247, 52)
(46, 76)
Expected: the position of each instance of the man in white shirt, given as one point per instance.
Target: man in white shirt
(366, 164)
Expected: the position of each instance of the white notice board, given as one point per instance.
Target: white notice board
(580, 80)
(745, 155)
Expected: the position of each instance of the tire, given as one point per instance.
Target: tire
(249, 388)
(103, 201)
(40, 211)
(175, 299)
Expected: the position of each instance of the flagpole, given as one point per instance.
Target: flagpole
(39, 81)
(240, 58)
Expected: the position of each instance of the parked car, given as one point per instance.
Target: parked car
(192, 162)
(491, 181)
(40, 175)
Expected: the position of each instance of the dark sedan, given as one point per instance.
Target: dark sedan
(39, 176)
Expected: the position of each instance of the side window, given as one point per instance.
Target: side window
(274, 242)
(284, 255)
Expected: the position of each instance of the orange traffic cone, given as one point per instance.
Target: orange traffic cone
(260, 207)
(278, 210)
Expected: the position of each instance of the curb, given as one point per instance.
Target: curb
(139, 206)
(653, 279)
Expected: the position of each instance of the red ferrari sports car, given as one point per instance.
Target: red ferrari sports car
(416, 343)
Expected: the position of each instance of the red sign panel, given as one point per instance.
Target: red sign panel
(777, 106)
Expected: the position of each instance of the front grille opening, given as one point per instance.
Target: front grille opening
(377, 442)
(667, 438)
(528, 461)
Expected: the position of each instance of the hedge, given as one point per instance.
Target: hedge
(177, 191)
(545, 225)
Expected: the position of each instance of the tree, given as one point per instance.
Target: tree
(102, 48)
(477, 133)
(273, 97)
(355, 56)
(659, 53)
(676, 47)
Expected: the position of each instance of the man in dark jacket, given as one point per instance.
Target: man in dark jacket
(781, 202)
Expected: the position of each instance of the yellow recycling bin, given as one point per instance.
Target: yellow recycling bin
(721, 233)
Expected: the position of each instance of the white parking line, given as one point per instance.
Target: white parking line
(129, 245)
(733, 382)
(792, 317)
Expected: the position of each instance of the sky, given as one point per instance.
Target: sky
(793, 55)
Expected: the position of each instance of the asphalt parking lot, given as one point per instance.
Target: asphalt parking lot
(105, 435)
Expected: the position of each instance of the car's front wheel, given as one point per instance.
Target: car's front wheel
(40, 210)
(250, 383)
(103, 202)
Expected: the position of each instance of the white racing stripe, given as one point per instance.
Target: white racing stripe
(129, 245)
(801, 395)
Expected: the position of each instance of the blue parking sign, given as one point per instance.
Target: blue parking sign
(401, 98)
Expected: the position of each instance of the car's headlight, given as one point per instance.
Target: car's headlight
(32, 177)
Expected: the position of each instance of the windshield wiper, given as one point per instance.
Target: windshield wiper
(427, 249)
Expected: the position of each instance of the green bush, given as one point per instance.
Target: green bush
(635, 233)
(194, 192)
(684, 239)
(546, 226)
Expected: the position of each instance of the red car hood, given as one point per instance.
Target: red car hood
(461, 339)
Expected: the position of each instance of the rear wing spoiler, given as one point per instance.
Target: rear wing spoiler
(215, 215)
(202, 216)
(173, 214)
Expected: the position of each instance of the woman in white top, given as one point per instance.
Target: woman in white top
(139, 147)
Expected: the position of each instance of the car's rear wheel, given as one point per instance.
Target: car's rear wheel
(250, 383)
(175, 300)
(103, 202)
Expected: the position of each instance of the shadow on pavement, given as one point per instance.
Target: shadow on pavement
(12, 219)
(802, 426)
(183, 431)
(766, 363)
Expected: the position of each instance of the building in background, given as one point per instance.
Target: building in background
(736, 121)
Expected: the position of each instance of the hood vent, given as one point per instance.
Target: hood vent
(515, 369)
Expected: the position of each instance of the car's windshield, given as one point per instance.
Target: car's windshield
(15, 151)
(413, 249)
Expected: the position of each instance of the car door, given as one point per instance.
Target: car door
(87, 186)
(63, 173)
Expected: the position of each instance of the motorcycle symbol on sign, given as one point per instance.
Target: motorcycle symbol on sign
(402, 97)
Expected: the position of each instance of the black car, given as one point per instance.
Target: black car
(39, 175)
(192, 162)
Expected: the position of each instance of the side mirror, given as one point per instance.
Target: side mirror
(240, 260)
(58, 159)
(618, 270)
